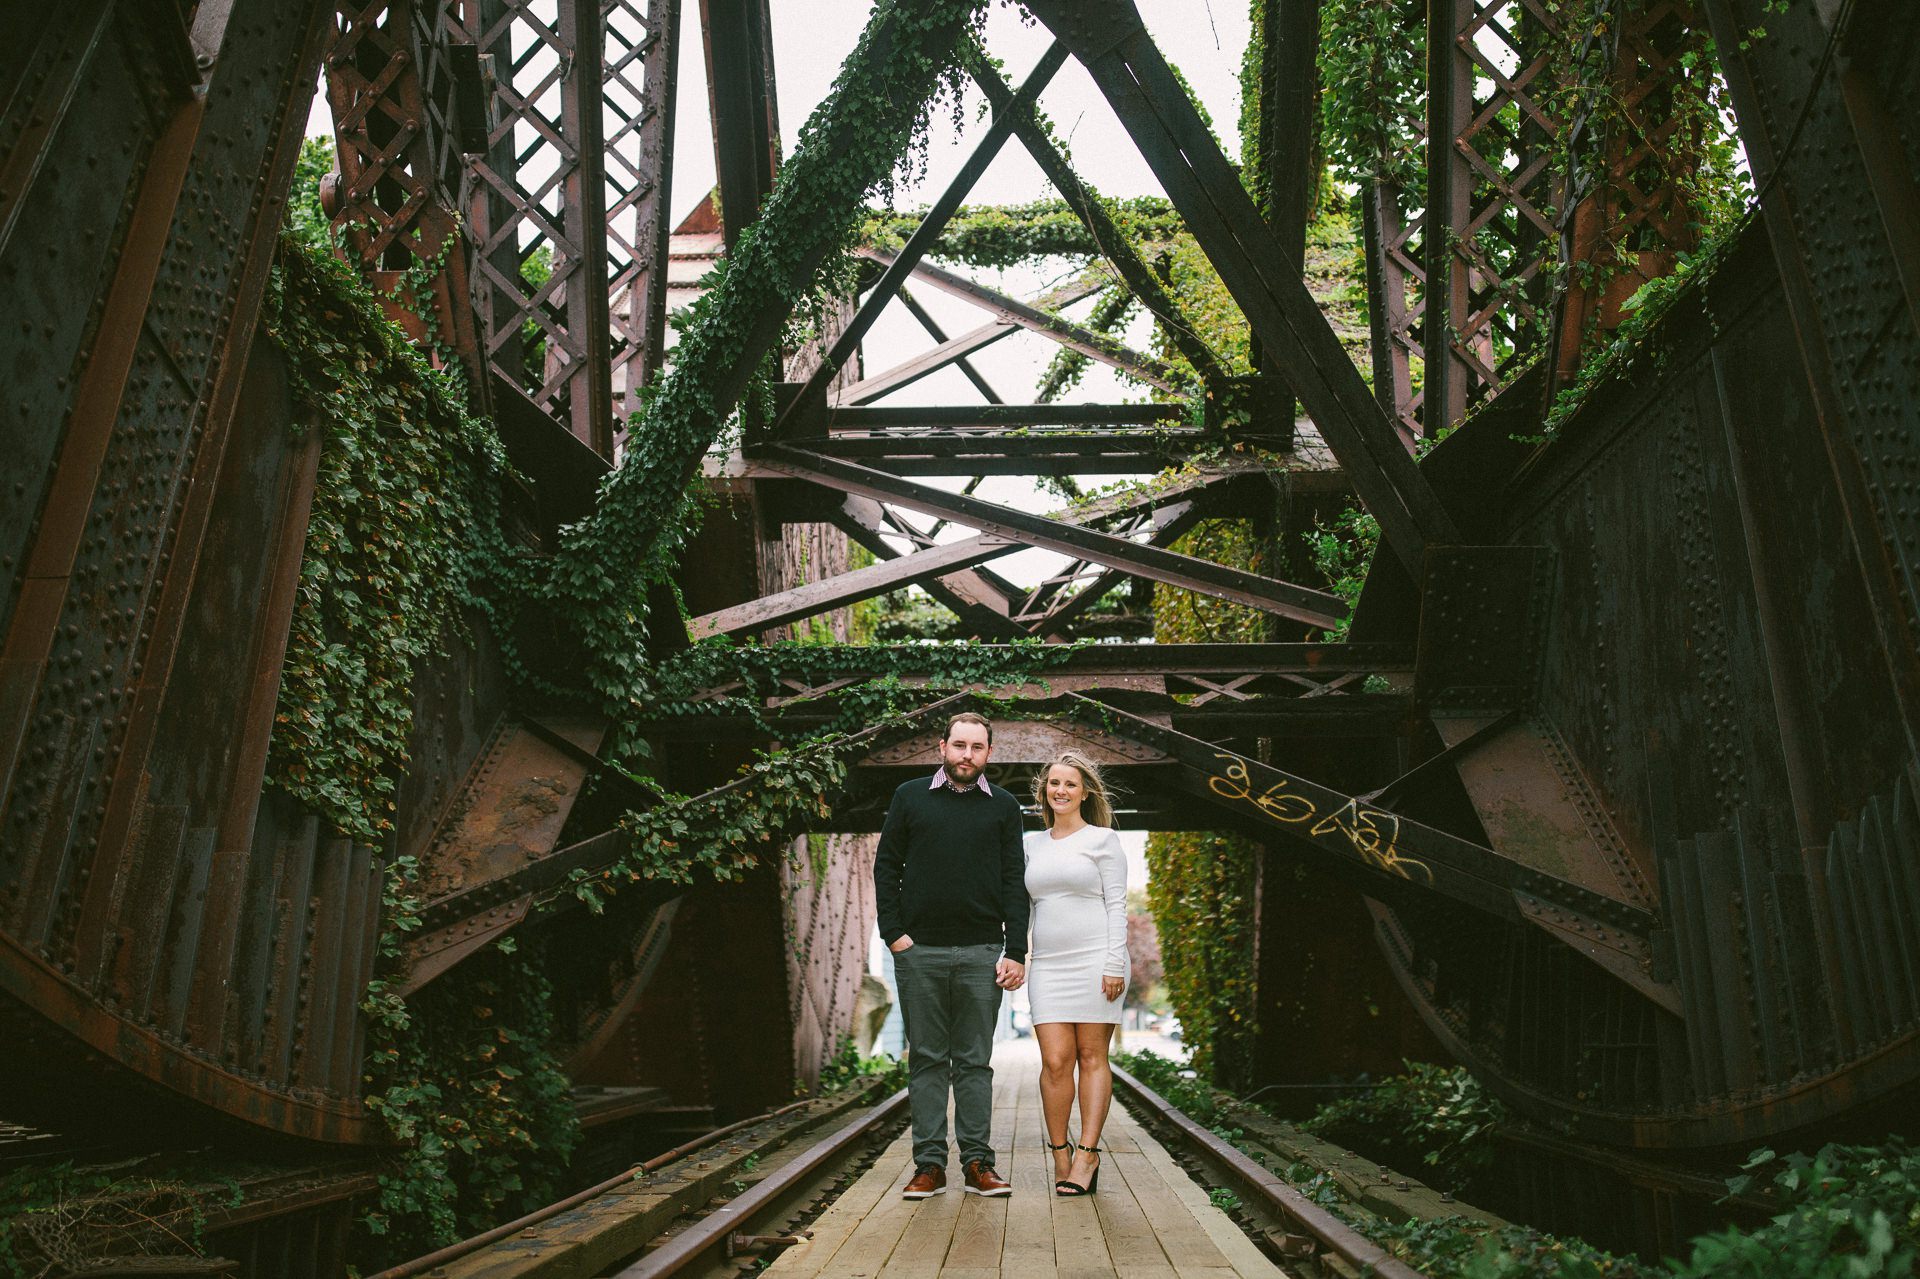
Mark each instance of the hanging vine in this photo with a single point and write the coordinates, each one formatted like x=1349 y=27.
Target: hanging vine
x=784 y=265
x=1004 y=235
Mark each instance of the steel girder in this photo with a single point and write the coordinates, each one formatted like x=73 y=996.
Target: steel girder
x=138 y=928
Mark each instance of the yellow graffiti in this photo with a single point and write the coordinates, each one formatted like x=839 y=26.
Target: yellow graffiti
x=1237 y=785
x=1372 y=833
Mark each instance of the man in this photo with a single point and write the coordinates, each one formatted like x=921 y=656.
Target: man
x=950 y=884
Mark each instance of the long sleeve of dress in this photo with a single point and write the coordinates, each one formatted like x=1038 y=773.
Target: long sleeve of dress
x=1016 y=906
x=1113 y=889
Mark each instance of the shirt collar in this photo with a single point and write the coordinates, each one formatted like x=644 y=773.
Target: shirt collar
x=940 y=779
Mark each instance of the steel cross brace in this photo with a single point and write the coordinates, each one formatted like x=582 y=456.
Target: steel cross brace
x=542 y=882
x=899 y=267
x=1109 y=37
x=939 y=335
x=1169 y=510
x=1316 y=608
x=1048 y=612
x=1011 y=310
x=1119 y=250
x=978 y=597
x=1379 y=848
x=955 y=350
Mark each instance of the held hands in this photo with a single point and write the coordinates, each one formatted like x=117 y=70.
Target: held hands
x=1111 y=987
x=1009 y=974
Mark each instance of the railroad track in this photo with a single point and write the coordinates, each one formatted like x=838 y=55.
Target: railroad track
x=724 y=1203
x=708 y=1207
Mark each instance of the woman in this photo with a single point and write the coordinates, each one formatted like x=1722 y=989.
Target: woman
x=1077 y=958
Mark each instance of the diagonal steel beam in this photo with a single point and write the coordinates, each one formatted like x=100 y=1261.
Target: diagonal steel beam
x=950 y=350
x=848 y=588
x=930 y=561
x=738 y=42
x=1170 y=526
x=1011 y=310
x=1316 y=608
x=1110 y=39
x=900 y=266
x=938 y=334
x=1119 y=250
x=978 y=598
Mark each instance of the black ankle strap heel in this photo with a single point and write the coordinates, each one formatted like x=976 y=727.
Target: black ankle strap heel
x=1073 y=1189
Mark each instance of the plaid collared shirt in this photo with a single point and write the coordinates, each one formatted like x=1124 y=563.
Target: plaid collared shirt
x=940 y=779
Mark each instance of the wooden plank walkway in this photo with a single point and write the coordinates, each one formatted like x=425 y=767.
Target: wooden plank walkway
x=1149 y=1221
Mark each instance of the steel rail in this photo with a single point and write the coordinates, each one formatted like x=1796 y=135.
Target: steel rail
x=455 y=1251
x=1335 y=1235
x=712 y=1231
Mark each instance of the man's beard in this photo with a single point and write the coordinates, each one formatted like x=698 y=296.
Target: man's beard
x=963 y=772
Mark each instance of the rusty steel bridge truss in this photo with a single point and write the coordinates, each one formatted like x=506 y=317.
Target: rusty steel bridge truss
x=1617 y=772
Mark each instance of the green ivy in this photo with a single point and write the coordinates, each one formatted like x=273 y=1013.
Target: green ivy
x=1179 y=1084
x=784 y=265
x=1343 y=552
x=465 y=1081
x=848 y=1066
x=1846 y=1212
x=1200 y=886
x=1639 y=343
x=1004 y=235
x=403 y=537
x=1435 y=1116
x=1373 y=102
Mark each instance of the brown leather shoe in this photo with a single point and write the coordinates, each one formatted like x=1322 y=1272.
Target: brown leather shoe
x=928 y=1180
x=983 y=1180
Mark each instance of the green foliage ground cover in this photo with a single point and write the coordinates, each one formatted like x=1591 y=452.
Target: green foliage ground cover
x=849 y=1066
x=1434 y=1121
x=1845 y=1212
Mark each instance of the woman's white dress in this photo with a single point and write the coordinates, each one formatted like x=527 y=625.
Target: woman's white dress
x=1078 y=931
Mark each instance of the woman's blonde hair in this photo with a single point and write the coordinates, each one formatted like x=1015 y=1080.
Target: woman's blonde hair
x=1096 y=809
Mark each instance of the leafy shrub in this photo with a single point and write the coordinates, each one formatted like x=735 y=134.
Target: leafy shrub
x=1848 y=1212
x=849 y=1066
x=1435 y=1116
x=1182 y=1091
x=1462 y=1248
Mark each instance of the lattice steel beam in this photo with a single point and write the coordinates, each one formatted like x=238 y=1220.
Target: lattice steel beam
x=1632 y=167
x=396 y=146
x=541 y=185
x=1492 y=197
x=641 y=47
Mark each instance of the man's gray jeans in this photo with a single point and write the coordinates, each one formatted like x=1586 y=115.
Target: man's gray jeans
x=951 y=1005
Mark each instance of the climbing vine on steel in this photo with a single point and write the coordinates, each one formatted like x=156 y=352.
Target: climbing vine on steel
x=907 y=60
x=1003 y=235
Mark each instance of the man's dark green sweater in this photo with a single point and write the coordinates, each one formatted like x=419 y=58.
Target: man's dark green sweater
x=950 y=870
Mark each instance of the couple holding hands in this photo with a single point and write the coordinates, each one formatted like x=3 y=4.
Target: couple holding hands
x=958 y=886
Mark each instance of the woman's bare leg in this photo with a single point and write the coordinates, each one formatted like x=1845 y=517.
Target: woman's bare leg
x=1096 y=1092
x=1057 y=1051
